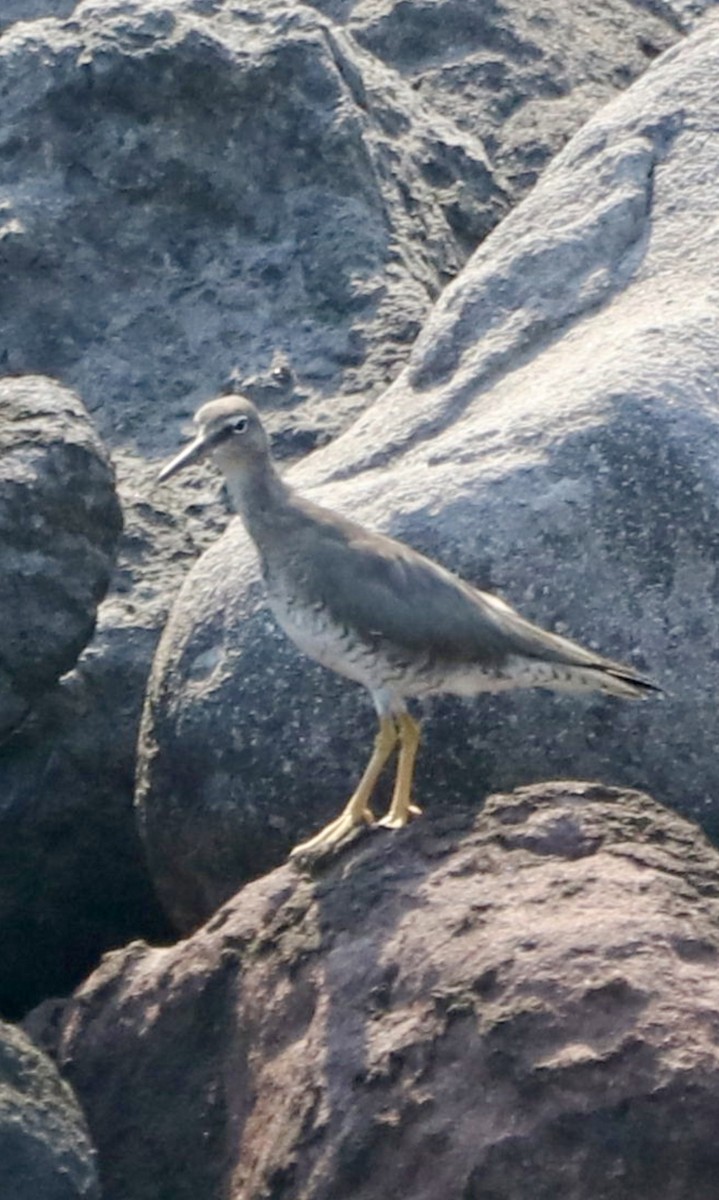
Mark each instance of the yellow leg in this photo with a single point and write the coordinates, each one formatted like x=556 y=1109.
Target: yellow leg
x=357 y=812
x=401 y=808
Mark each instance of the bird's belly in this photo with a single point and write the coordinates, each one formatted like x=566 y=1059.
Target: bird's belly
x=335 y=646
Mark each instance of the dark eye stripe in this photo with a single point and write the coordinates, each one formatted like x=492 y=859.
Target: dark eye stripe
x=221 y=435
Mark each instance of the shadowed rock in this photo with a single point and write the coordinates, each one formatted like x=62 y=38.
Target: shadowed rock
x=45 y=1151
x=472 y=1004
x=72 y=876
x=59 y=524
x=518 y=75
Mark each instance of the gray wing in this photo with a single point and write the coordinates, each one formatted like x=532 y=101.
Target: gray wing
x=390 y=593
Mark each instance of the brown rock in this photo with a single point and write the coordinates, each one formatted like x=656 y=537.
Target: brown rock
x=469 y=1009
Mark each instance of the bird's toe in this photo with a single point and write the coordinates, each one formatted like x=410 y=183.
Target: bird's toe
x=338 y=834
x=398 y=820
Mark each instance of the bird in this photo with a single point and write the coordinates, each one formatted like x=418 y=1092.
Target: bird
x=380 y=613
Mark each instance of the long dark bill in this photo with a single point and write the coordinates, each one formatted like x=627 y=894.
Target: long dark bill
x=192 y=453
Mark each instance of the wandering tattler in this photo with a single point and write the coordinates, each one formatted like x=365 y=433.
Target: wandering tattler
x=380 y=613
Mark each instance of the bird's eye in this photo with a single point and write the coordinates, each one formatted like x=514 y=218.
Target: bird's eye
x=240 y=425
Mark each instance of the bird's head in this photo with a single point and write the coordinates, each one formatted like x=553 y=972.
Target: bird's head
x=230 y=431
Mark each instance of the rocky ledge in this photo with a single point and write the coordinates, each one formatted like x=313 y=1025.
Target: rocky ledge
x=471 y=1008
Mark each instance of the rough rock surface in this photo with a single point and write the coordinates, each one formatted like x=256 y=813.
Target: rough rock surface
x=553 y=438
x=64 y=820
x=59 y=524
x=195 y=191
x=466 y=1009
x=523 y=77
x=73 y=879
x=30 y=10
x=230 y=183
x=45 y=1150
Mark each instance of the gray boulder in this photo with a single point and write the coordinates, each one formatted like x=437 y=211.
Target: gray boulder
x=45 y=1149
x=228 y=186
x=59 y=524
x=554 y=438
x=478 y=1007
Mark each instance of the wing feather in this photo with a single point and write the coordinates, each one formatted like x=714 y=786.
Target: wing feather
x=385 y=590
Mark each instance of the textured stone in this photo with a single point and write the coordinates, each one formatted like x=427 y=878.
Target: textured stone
x=45 y=1150
x=230 y=183
x=467 y=1009
x=553 y=438
x=30 y=10
x=523 y=77
x=59 y=524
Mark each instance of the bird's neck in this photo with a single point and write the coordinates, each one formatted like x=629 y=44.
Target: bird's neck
x=260 y=497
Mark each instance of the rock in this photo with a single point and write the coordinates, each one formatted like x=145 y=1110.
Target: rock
x=45 y=1149
x=451 y=1011
x=523 y=77
x=553 y=439
x=31 y=10
x=227 y=185
x=59 y=812
x=164 y=233
x=74 y=879
x=59 y=524
x=328 y=248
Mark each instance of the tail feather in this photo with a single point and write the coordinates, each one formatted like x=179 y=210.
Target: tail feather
x=565 y=665
x=622 y=681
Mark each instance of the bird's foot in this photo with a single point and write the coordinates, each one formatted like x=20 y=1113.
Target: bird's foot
x=398 y=820
x=339 y=833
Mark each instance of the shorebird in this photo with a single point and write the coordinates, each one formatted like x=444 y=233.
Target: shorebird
x=380 y=613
